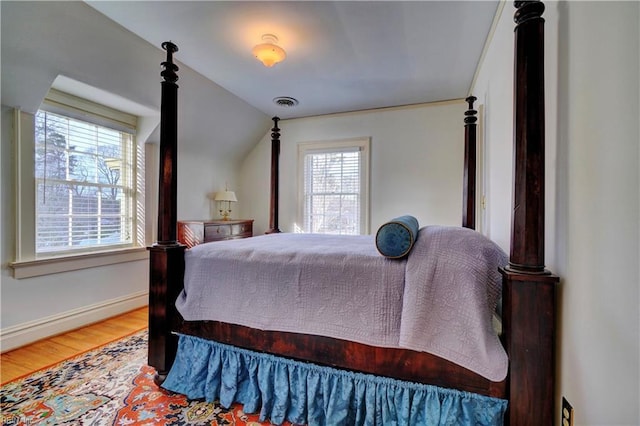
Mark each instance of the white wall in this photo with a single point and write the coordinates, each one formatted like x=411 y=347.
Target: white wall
x=41 y=40
x=416 y=163
x=593 y=216
x=494 y=90
x=598 y=143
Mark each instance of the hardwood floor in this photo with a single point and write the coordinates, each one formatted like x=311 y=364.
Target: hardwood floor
x=41 y=354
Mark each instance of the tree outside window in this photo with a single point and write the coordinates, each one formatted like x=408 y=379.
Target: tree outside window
x=83 y=184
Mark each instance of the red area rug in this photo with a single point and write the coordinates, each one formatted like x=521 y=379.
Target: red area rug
x=111 y=385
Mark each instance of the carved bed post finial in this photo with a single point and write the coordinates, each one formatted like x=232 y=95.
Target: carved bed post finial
x=469 y=181
x=170 y=69
x=275 y=176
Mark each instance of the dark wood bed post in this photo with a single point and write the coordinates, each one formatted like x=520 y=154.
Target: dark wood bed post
x=528 y=288
x=166 y=256
x=275 y=177
x=469 y=181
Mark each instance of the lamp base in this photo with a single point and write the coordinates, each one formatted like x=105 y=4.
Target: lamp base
x=225 y=214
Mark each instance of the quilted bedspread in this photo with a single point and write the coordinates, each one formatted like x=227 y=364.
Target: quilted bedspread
x=439 y=299
x=452 y=285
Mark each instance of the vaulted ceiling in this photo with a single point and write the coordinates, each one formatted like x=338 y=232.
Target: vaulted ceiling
x=341 y=55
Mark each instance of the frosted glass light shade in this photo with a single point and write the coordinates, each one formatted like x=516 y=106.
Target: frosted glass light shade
x=268 y=52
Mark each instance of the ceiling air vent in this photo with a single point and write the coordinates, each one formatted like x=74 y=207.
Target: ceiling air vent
x=285 y=101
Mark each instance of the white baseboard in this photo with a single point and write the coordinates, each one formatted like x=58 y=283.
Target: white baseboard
x=25 y=333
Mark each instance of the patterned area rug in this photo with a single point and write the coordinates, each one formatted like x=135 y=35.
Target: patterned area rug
x=111 y=385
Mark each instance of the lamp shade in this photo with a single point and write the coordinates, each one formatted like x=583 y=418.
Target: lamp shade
x=225 y=196
x=268 y=52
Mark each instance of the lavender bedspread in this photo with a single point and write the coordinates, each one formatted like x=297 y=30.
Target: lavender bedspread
x=337 y=286
x=440 y=299
x=452 y=285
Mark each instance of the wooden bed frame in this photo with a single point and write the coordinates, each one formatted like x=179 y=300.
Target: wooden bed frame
x=529 y=303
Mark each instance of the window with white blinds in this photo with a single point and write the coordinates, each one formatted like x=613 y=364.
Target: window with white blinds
x=85 y=176
x=334 y=184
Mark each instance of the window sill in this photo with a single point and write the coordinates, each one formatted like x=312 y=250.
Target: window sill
x=35 y=268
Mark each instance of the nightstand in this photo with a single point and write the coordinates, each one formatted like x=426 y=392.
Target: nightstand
x=194 y=232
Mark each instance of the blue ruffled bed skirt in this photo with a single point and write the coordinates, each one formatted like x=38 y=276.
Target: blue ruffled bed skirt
x=303 y=393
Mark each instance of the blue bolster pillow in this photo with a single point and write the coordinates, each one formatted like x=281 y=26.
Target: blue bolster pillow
x=395 y=238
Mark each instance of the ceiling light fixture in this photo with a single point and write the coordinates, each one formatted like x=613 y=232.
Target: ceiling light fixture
x=268 y=52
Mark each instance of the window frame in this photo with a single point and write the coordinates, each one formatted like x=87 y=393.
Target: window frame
x=27 y=262
x=362 y=144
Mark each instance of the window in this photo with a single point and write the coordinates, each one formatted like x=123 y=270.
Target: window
x=334 y=187
x=80 y=187
x=84 y=176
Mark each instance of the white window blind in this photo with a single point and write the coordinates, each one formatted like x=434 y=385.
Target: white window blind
x=85 y=175
x=334 y=189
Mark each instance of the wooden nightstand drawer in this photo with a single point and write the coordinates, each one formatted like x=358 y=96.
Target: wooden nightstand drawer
x=194 y=232
x=216 y=232
x=242 y=229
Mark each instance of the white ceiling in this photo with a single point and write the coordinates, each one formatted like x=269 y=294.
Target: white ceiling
x=341 y=56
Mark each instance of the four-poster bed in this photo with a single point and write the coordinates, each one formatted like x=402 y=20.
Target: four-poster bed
x=528 y=300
